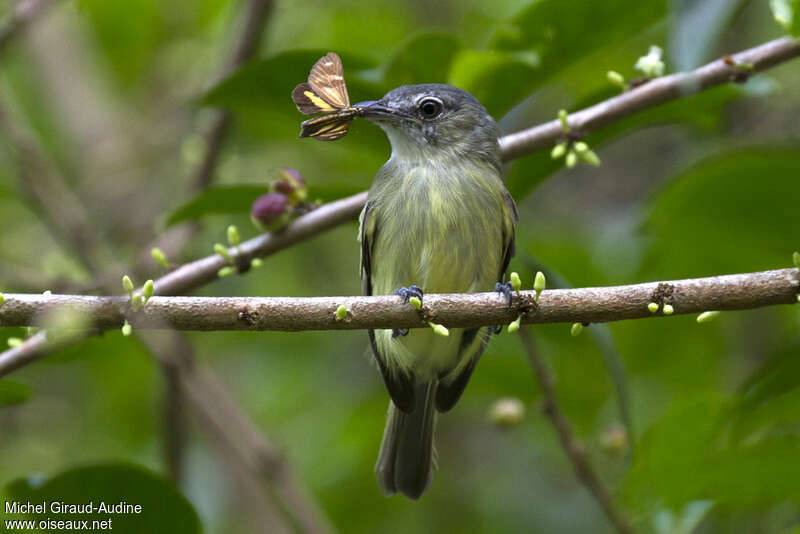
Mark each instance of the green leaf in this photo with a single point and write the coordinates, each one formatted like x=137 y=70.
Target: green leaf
x=694 y=217
x=217 y=200
x=768 y=400
x=561 y=31
x=499 y=79
x=163 y=508
x=787 y=14
x=424 y=58
x=129 y=34
x=12 y=392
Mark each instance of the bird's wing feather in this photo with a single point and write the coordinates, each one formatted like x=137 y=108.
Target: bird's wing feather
x=399 y=385
x=449 y=392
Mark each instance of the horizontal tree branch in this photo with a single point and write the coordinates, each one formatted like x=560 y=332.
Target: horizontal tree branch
x=583 y=305
x=197 y=273
x=193 y=275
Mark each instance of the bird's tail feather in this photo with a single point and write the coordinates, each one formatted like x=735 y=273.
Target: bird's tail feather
x=405 y=461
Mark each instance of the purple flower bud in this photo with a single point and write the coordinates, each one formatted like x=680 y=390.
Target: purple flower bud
x=270 y=210
x=282 y=187
x=291 y=175
x=291 y=184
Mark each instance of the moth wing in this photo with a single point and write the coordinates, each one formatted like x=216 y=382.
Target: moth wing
x=326 y=127
x=308 y=102
x=327 y=80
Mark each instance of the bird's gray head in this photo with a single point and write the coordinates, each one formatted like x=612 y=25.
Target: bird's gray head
x=435 y=120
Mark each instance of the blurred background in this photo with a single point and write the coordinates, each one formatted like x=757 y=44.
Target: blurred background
x=105 y=114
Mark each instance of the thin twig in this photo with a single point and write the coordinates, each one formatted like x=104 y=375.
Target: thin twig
x=254 y=21
x=24 y=13
x=572 y=448
x=175 y=428
x=462 y=310
x=260 y=456
x=649 y=95
x=206 y=395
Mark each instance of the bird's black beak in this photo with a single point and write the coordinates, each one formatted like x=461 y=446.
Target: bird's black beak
x=373 y=109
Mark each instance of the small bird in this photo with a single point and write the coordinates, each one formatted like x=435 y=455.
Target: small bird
x=438 y=219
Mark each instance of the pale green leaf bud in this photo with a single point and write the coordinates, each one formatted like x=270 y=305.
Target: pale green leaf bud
x=226 y=271
x=127 y=329
x=562 y=116
x=415 y=303
x=796 y=259
x=220 y=249
x=257 y=263
x=160 y=257
x=591 y=158
x=652 y=307
x=2 y=299
x=147 y=290
x=580 y=147
x=668 y=309
x=127 y=284
x=439 y=330
x=137 y=302
x=539 y=283
x=707 y=317
x=516 y=283
x=341 y=312
x=47 y=293
x=559 y=150
x=576 y=329
x=572 y=159
x=14 y=342
x=514 y=326
x=616 y=78
x=233 y=236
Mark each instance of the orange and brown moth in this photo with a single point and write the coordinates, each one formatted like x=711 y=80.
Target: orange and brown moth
x=325 y=92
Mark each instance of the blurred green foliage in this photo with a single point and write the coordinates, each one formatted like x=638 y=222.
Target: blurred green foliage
x=117 y=487
x=113 y=94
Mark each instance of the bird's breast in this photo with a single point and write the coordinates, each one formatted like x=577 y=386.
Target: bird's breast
x=439 y=227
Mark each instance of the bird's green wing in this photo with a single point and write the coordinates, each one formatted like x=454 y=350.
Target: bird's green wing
x=398 y=384
x=448 y=393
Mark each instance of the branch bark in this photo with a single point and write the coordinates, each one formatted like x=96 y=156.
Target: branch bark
x=581 y=305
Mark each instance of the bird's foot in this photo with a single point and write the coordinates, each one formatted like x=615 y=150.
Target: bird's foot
x=505 y=289
x=408 y=292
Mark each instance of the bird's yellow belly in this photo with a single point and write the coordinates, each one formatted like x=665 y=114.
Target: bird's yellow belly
x=445 y=240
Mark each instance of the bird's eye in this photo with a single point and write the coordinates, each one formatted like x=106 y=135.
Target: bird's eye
x=430 y=107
